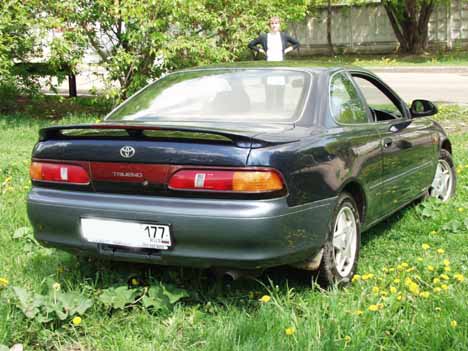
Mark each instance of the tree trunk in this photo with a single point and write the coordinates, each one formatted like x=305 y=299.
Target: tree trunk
x=329 y=28
x=410 y=23
x=72 y=85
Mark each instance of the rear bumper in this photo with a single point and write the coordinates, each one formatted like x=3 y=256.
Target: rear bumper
x=206 y=233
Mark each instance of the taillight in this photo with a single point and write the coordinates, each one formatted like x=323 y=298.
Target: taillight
x=59 y=173
x=247 y=181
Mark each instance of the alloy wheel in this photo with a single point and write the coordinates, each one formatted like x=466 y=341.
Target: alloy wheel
x=443 y=181
x=345 y=241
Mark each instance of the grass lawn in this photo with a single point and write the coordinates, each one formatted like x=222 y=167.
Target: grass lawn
x=411 y=291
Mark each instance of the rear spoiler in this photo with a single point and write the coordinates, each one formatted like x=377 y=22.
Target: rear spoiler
x=241 y=140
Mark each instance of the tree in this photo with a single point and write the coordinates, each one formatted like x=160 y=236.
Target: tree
x=18 y=41
x=410 y=22
x=329 y=27
x=139 y=40
x=328 y=4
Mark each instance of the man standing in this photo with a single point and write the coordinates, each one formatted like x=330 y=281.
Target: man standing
x=275 y=44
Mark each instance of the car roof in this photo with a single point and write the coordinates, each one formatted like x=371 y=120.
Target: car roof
x=290 y=65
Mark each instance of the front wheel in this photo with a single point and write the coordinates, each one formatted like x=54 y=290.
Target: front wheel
x=341 y=250
x=445 y=179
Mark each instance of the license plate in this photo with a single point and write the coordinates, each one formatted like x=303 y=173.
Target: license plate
x=126 y=233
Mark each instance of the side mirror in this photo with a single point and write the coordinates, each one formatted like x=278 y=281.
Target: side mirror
x=422 y=108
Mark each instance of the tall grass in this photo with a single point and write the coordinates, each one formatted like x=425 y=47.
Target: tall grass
x=230 y=316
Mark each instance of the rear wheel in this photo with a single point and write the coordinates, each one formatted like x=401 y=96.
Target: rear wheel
x=445 y=179
x=341 y=250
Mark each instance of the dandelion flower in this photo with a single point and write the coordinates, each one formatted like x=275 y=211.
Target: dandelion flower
x=444 y=286
x=4 y=282
x=461 y=209
x=438 y=309
x=414 y=288
x=434 y=232
x=347 y=339
x=56 y=286
x=436 y=281
x=419 y=259
x=437 y=290
x=440 y=251
x=399 y=297
x=459 y=277
x=444 y=276
x=425 y=294
x=393 y=290
x=265 y=298
x=453 y=324
x=375 y=289
x=396 y=281
x=425 y=246
x=289 y=331
x=76 y=320
x=367 y=276
x=446 y=262
x=373 y=308
x=405 y=264
x=356 y=278
x=358 y=312
x=430 y=268
x=135 y=282
x=447 y=269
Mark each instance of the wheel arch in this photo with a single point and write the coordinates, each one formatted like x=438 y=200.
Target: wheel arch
x=356 y=190
x=446 y=145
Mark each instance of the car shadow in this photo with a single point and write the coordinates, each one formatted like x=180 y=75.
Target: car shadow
x=379 y=229
x=203 y=285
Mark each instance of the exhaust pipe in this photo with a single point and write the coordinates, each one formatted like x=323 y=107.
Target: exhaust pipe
x=235 y=274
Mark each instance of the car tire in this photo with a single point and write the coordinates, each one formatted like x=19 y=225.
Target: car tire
x=445 y=179
x=341 y=249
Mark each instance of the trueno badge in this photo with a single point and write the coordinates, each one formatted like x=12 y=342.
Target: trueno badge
x=127 y=151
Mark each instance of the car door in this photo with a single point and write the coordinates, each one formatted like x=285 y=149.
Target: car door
x=406 y=144
x=357 y=141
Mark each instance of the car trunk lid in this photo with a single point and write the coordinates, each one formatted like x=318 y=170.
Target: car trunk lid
x=140 y=158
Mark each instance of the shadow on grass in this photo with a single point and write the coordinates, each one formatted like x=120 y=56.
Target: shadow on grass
x=203 y=285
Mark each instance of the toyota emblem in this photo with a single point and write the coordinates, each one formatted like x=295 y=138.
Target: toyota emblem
x=127 y=151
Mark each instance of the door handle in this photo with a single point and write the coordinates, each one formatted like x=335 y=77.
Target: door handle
x=387 y=142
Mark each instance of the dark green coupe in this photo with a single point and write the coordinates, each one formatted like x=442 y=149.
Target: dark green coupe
x=240 y=168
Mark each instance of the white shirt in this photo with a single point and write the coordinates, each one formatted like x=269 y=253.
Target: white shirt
x=275 y=47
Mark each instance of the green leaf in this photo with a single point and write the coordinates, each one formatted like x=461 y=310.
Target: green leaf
x=118 y=298
x=156 y=299
x=74 y=303
x=453 y=226
x=28 y=303
x=21 y=232
x=174 y=294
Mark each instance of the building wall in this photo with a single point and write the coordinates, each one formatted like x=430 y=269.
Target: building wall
x=366 y=29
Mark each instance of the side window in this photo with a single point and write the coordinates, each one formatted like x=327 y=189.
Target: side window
x=346 y=105
x=381 y=106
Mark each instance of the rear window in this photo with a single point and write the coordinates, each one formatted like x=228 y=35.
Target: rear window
x=220 y=95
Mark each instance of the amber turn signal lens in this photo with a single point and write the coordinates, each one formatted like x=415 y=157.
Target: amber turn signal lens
x=35 y=171
x=256 y=181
